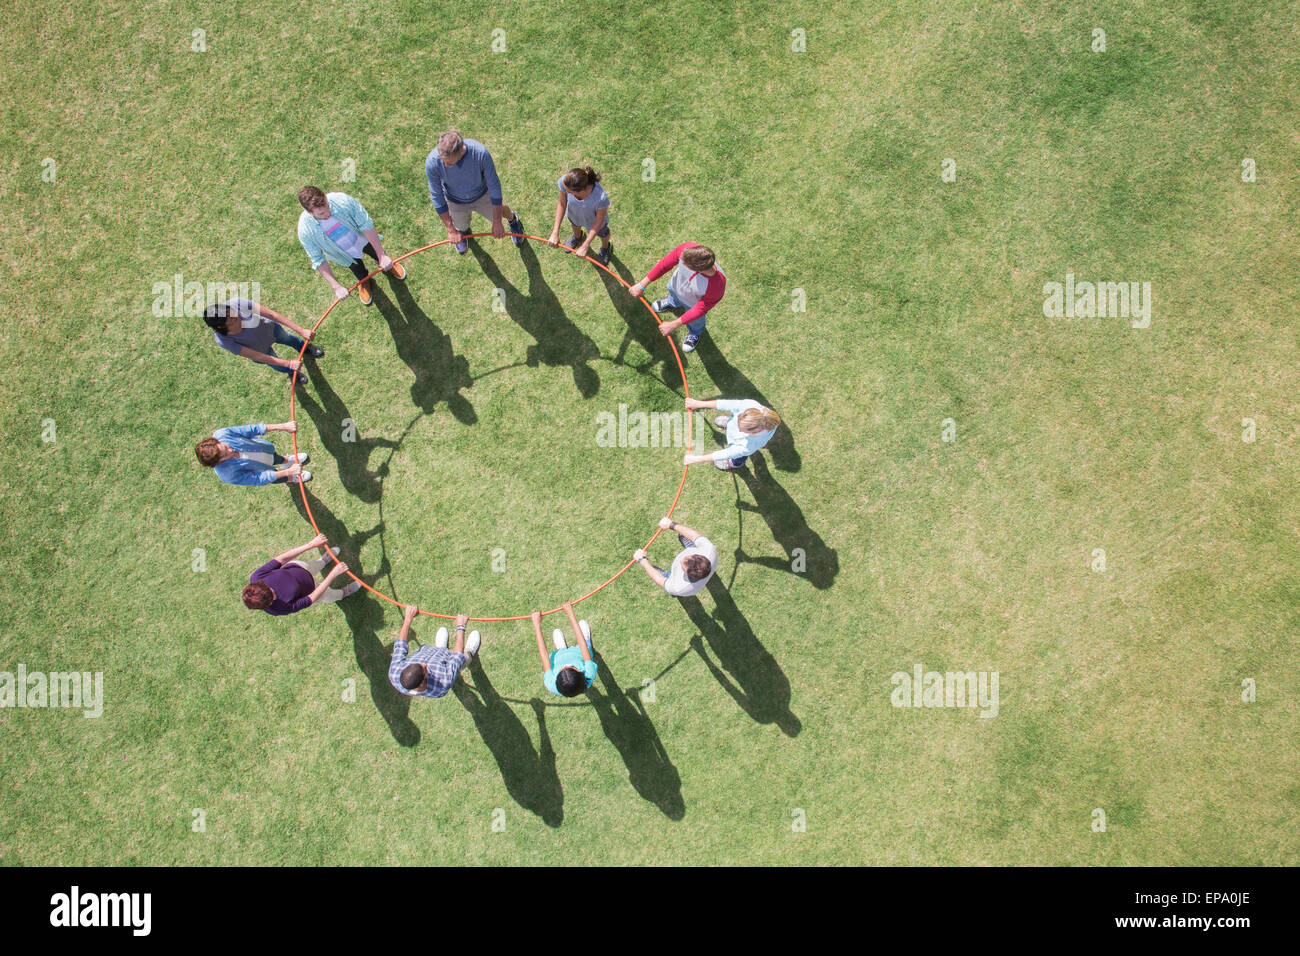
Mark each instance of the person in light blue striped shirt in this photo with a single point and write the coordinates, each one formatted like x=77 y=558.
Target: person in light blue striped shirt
x=749 y=426
x=241 y=456
x=337 y=228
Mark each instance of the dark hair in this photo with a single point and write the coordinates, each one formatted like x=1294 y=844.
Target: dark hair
x=312 y=198
x=412 y=676
x=214 y=316
x=581 y=177
x=570 y=681
x=697 y=567
x=209 y=452
x=258 y=596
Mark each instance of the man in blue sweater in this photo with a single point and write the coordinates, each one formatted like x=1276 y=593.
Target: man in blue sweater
x=241 y=456
x=462 y=181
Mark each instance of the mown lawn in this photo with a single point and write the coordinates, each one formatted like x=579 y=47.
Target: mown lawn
x=861 y=543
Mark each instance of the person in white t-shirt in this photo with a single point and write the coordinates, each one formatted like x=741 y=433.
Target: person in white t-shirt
x=690 y=570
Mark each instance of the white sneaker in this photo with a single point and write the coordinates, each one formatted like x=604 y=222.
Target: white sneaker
x=472 y=643
x=440 y=639
x=301 y=478
x=724 y=465
x=721 y=421
x=300 y=458
x=586 y=632
x=557 y=638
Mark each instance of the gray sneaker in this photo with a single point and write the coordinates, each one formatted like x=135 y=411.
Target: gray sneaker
x=690 y=343
x=662 y=305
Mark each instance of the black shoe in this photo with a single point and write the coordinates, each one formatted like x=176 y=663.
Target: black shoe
x=603 y=256
x=315 y=351
x=517 y=226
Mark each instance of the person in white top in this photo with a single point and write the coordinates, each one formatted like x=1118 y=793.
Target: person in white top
x=690 y=570
x=748 y=425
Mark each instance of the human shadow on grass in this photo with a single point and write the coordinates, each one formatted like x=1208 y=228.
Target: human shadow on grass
x=364 y=614
x=529 y=773
x=641 y=328
x=820 y=563
x=732 y=383
x=744 y=667
x=629 y=728
x=353 y=457
x=539 y=313
x=440 y=373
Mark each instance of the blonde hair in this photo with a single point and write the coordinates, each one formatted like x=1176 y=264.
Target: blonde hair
x=755 y=420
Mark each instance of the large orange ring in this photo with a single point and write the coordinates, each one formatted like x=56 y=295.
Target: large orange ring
x=302 y=489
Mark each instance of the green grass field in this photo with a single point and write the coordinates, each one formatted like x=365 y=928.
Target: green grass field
x=771 y=738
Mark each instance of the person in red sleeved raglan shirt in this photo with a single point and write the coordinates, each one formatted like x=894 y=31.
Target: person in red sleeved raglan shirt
x=696 y=285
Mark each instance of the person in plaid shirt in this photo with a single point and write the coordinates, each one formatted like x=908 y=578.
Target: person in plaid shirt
x=430 y=671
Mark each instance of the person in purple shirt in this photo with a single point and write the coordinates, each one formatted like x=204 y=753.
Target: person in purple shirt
x=463 y=181
x=285 y=585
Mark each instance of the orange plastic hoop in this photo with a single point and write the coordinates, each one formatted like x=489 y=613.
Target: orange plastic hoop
x=302 y=488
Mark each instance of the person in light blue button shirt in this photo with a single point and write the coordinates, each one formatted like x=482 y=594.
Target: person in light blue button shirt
x=566 y=671
x=241 y=456
x=749 y=426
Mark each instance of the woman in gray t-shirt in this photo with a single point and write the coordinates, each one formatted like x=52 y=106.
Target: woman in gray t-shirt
x=587 y=204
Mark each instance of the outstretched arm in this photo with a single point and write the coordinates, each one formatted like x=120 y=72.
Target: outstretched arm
x=541 y=642
x=372 y=237
x=581 y=638
x=405 y=633
x=334 y=572
x=655 y=574
x=561 y=204
x=694 y=403
x=292 y=553
x=284 y=320
x=598 y=225
x=340 y=290
x=265 y=358
x=668 y=524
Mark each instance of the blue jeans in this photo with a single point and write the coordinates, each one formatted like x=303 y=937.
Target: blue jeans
x=694 y=328
x=282 y=337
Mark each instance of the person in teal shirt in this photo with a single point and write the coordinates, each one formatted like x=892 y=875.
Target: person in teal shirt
x=566 y=671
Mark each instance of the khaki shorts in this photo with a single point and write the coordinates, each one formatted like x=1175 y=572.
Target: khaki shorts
x=460 y=212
